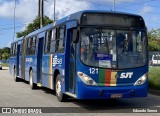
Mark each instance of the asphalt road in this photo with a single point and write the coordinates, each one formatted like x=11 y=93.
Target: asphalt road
x=19 y=94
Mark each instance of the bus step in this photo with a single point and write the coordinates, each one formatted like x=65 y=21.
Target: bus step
x=39 y=84
x=70 y=94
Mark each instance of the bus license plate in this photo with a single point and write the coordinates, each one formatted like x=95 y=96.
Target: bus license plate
x=116 y=95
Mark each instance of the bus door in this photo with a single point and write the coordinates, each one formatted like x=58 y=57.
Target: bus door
x=72 y=68
x=72 y=64
x=70 y=81
x=17 y=60
x=39 y=60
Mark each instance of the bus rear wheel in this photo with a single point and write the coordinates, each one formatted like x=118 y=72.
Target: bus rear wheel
x=31 y=83
x=58 y=89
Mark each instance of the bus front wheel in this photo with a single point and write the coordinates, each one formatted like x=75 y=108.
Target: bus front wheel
x=58 y=88
x=31 y=83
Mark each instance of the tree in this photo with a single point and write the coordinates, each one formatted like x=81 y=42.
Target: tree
x=4 y=53
x=154 y=40
x=33 y=26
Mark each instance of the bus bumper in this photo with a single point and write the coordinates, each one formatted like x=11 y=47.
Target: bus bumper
x=103 y=92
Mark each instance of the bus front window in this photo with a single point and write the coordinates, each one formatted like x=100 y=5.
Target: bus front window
x=117 y=49
x=131 y=47
x=98 y=47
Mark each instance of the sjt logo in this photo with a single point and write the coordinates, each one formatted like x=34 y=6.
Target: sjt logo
x=126 y=75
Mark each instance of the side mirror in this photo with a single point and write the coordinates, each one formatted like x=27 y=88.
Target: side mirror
x=75 y=36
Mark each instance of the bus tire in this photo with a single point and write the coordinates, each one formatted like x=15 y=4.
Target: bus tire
x=31 y=83
x=16 y=79
x=58 y=84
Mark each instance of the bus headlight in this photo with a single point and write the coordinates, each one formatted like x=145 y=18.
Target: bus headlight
x=86 y=79
x=141 y=80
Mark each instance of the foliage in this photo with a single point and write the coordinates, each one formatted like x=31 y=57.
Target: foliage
x=154 y=78
x=5 y=64
x=34 y=26
x=4 y=53
x=154 y=40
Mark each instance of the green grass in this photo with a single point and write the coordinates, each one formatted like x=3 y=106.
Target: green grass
x=154 y=78
x=5 y=64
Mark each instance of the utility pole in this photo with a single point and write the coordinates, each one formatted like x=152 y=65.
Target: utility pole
x=39 y=1
x=40 y=12
x=54 y=10
x=14 y=19
x=113 y=5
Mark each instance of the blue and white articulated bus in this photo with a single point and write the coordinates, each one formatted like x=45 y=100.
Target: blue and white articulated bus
x=86 y=55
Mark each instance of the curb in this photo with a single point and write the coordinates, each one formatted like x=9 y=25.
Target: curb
x=154 y=92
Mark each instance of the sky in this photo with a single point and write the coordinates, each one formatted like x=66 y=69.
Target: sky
x=27 y=10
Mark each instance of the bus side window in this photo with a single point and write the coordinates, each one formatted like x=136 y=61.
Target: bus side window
x=12 y=46
x=57 y=38
x=48 y=41
x=45 y=44
x=21 y=47
x=31 y=44
x=27 y=50
x=60 y=39
x=15 y=49
x=29 y=47
x=53 y=41
x=33 y=47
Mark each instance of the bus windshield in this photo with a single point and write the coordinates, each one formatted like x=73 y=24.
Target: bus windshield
x=107 y=48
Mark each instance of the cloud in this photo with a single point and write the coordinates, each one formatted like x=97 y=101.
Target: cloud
x=64 y=8
x=116 y=1
x=155 y=19
x=6 y=9
x=146 y=9
x=26 y=10
x=150 y=17
x=105 y=2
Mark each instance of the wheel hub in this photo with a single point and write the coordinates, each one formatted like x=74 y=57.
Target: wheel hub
x=58 y=88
